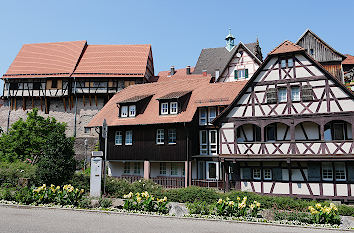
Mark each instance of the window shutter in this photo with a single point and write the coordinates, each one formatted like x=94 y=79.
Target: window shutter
x=307 y=93
x=314 y=172
x=350 y=167
x=277 y=174
x=272 y=95
x=235 y=72
x=246 y=73
x=246 y=173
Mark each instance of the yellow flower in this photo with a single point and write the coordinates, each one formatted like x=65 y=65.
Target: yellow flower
x=318 y=205
x=231 y=203
x=245 y=198
x=241 y=205
x=252 y=206
x=138 y=199
x=82 y=191
x=165 y=199
x=137 y=194
x=238 y=198
x=220 y=201
x=258 y=204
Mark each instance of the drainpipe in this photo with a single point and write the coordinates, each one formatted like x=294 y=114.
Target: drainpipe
x=187 y=148
x=8 y=100
x=75 y=107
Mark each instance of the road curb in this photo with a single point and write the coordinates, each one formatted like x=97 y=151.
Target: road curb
x=171 y=217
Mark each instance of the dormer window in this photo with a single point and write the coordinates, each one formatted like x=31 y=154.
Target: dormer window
x=128 y=111
x=124 y=111
x=174 y=107
x=164 y=108
x=132 y=110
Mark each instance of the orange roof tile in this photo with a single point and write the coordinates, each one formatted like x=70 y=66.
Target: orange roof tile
x=113 y=60
x=203 y=93
x=46 y=59
x=349 y=60
x=286 y=47
x=180 y=74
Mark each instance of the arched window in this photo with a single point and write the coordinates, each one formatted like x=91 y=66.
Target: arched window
x=337 y=130
x=248 y=133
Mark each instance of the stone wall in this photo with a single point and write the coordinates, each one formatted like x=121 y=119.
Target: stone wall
x=57 y=110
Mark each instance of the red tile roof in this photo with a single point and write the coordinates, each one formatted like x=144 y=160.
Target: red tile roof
x=349 y=60
x=113 y=60
x=204 y=93
x=286 y=47
x=46 y=59
x=180 y=74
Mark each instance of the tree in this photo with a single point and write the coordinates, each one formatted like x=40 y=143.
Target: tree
x=26 y=139
x=57 y=164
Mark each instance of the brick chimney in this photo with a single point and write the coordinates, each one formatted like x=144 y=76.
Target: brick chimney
x=172 y=70
x=204 y=73
x=188 y=70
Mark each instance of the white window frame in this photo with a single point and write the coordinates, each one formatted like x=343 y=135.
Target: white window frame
x=295 y=93
x=257 y=173
x=211 y=110
x=340 y=167
x=267 y=174
x=174 y=169
x=126 y=168
x=203 y=145
x=290 y=63
x=163 y=169
x=213 y=146
x=160 y=136
x=241 y=73
x=136 y=169
x=282 y=96
x=327 y=169
x=118 y=139
x=124 y=111
x=283 y=63
x=172 y=133
x=87 y=130
x=217 y=171
x=173 y=107
x=203 y=119
x=132 y=111
x=129 y=137
x=164 y=108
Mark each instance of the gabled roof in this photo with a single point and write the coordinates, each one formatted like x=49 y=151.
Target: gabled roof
x=213 y=59
x=286 y=47
x=349 y=60
x=46 y=59
x=322 y=41
x=268 y=58
x=113 y=60
x=174 y=95
x=203 y=93
x=134 y=99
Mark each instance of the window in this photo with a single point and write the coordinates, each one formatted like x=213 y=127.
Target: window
x=270 y=132
x=172 y=136
x=118 y=138
x=136 y=168
x=202 y=116
x=213 y=142
x=243 y=73
x=282 y=95
x=311 y=52
x=256 y=173
x=174 y=107
x=36 y=86
x=129 y=137
x=126 y=168
x=295 y=93
x=164 y=108
x=338 y=131
x=327 y=171
x=132 y=110
x=124 y=111
x=160 y=136
x=212 y=114
x=54 y=83
x=267 y=174
x=87 y=130
x=290 y=62
x=212 y=170
x=203 y=141
x=283 y=63
x=174 y=169
x=163 y=170
x=340 y=171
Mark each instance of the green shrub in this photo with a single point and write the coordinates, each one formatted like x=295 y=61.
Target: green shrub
x=346 y=210
x=200 y=207
x=325 y=214
x=66 y=195
x=84 y=203
x=145 y=201
x=147 y=185
x=105 y=202
x=192 y=194
x=80 y=181
x=24 y=196
x=7 y=194
x=117 y=187
x=293 y=216
x=10 y=173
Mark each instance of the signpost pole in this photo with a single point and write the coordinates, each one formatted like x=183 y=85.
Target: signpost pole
x=104 y=135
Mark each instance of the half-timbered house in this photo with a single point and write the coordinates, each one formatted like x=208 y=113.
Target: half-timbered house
x=230 y=63
x=71 y=81
x=162 y=131
x=327 y=56
x=290 y=130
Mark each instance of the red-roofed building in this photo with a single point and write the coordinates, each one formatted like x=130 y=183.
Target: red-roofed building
x=162 y=131
x=72 y=81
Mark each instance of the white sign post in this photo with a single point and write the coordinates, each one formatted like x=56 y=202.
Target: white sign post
x=96 y=174
x=105 y=136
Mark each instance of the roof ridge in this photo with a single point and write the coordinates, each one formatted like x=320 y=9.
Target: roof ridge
x=284 y=44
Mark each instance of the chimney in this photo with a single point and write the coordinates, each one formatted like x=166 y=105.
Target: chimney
x=217 y=74
x=204 y=72
x=188 y=70
x=172 y=70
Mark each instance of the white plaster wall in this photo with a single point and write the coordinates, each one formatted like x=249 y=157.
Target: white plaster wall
x=281 y=188
x=328 y=189
x=342 y=190
x=300 y=189
x=311 y=130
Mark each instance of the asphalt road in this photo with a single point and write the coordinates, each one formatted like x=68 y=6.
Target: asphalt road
x=37 y=220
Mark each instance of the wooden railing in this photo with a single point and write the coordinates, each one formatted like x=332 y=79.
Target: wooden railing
x=169 y=182
x=208 y=183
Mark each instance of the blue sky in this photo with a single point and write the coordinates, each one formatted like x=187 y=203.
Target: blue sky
x=177 y=30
